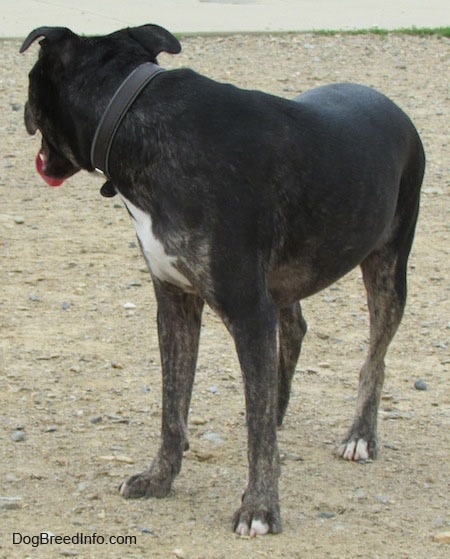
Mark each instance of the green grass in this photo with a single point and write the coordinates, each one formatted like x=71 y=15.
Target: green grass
x=417 y=31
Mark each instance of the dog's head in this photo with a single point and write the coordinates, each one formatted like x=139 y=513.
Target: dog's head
x=67 y=63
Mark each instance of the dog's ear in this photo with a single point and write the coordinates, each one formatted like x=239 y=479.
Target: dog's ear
x=64 y=42
x=155 y=39
x=52 y=34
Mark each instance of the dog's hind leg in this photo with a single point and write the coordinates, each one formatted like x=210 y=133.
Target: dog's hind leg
x=384 y=273
x=292 y=329
x=386 y=304
x=386 y=291
x=179 y=322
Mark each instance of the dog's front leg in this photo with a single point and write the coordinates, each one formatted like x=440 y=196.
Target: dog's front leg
x=255 y=339
x=179 y=321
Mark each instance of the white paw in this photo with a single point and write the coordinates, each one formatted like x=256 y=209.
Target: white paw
x=123 y=489
x=355 y=450
x=258 y=528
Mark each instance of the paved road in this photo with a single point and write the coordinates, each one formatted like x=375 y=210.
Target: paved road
x=18 y=17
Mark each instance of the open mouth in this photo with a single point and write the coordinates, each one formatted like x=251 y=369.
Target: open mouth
x=41 y=162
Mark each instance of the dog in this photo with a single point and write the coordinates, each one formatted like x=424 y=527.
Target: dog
x=242 y=200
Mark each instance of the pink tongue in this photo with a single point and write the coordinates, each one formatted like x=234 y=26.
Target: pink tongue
x=40 y=169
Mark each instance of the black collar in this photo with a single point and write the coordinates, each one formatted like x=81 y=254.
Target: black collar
x=121 y=101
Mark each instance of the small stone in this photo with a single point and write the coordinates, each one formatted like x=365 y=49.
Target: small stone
x=294 y=457
x=19 y=220
x=390 y=446
x=50 y=429
x=213 y=438
x=10 y=503
x=195 y=420
x=107 y=457
x=117 y=458
x=18 y=436
x=384 y=499
x=326 y=514
x=124 y=459
x=16 y=106
x=213 y=390
x=117 y=418
x=179 y=553
x=443 y=537
x=203 y=456
x=65 y=305
x=324 y=365
x=95 y=420
x=145 y=530
x=93 y=497
x=129 y=306
x=322 y=335
x=420 y=385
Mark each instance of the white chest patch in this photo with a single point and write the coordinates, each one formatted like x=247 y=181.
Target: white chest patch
x=161 y=264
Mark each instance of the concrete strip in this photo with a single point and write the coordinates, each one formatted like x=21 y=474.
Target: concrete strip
x=18 y=17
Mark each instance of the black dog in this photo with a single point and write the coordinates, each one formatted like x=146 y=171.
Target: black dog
x=242 y=200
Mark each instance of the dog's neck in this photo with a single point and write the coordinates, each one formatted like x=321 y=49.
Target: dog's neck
x=117 y=108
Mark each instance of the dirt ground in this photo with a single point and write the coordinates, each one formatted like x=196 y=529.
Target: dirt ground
x=79 y=362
